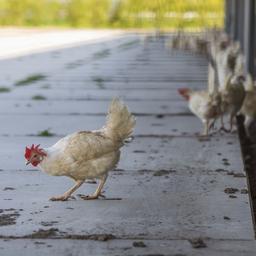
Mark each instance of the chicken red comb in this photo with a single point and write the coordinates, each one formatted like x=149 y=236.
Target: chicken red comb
x=184 y=92
x=33 y=148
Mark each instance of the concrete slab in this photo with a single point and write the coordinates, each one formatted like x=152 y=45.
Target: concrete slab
x=60 y=59
x=173 y=185
x=72 y=107
x=21 y=42
x=62 y=125
x=126 y=247
x=93 y=94
x=178 y=211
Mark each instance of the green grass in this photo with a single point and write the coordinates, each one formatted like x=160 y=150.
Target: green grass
x=128 y=45
x=30 y=79
x=4 y=89
x=101 y=54
x=39 y=97
x=99 y=82
x=45 y=133
x=113 y=14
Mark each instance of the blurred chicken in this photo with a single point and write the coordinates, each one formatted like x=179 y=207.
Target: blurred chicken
x=86 y=154
x=249 y=105
x=229 y=60
x=230 y=69
x=232 y=97
x=205 y=105
x=189 y=42
x=197 y=43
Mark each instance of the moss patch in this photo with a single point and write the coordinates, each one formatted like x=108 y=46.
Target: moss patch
x=45 y=133
x=4 y=89
x=38 y=97
x=101 y=54
x=99 y=82
x=30 y=79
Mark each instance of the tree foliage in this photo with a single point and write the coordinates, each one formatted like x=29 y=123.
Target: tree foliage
x=113 y=13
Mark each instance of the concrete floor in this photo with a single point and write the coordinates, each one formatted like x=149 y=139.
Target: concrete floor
x=170 y=181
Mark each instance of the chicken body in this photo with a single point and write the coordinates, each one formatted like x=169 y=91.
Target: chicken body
x=82 y=155
x=230 y=69
x=87 y=154
x=232 y=97
x=204 y=105
x=229 y=61
x=249 y=105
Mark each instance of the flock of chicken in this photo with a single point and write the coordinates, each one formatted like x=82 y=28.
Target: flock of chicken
x=92 y=154
x=230 y=90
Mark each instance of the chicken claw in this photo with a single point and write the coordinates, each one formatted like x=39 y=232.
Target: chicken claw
x=68 y=193
x=91 y=197
x=97 y=193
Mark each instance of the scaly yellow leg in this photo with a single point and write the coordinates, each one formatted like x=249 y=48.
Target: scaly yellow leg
x=68 y=193
x=97 y=193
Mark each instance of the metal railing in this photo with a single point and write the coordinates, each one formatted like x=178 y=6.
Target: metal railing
x=240 y=24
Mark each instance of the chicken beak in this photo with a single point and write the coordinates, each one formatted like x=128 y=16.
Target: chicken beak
x=28 y=162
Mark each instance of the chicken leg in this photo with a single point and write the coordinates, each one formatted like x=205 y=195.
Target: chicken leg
x=206 y=128
x=247 y=123
x=97 y=193
x=212 y=124
x=68 y=193
x=222 y=127
x=231 y=122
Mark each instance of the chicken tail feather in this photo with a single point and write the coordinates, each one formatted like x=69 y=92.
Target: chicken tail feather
x=120 y=122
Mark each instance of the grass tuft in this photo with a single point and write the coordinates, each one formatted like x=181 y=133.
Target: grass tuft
x=45 y=133
x=38 y=97
x=101 y=54
x=4 y=89
x=30 y=79
x=99 y=82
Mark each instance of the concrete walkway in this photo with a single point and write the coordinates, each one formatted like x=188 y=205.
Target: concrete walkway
x=173 y=185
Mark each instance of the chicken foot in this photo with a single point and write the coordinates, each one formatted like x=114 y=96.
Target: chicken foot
x=222 y=127
x=97 y=193
x=231 y=121
x=68 y=193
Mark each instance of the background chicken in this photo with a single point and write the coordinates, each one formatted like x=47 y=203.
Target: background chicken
x=249 y=105
x=232 y=97
x=230 y=68
x=228 y=58
x=204 y=105
x=86 y=154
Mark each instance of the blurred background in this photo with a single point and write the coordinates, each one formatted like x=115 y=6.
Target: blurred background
x=141 y=14
x=63 y=61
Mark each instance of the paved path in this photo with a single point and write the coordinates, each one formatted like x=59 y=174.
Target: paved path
x=170 y=181
x=19 y=42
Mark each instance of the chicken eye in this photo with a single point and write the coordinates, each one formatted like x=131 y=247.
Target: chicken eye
x=35 y=155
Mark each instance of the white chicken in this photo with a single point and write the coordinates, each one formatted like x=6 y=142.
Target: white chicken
x=230 y=69
x=205 y=105
x=249 y=105
x=86 y=154
x=232 y=97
